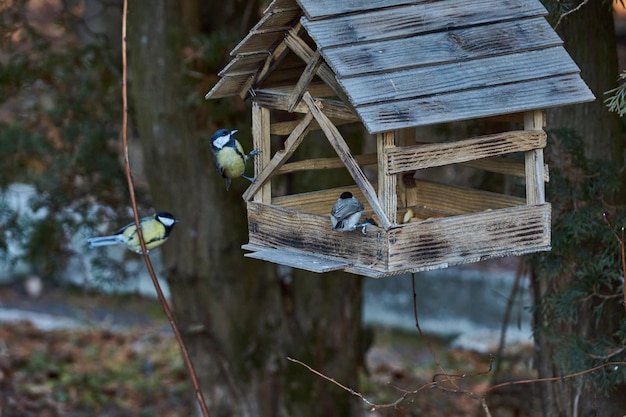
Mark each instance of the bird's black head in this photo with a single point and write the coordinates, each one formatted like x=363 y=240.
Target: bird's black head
x=221 y=138
x=345 y=195
x=166 y=219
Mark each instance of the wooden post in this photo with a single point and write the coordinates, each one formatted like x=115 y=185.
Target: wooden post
x=261 y=142
x=535 y=187
x=386 y=182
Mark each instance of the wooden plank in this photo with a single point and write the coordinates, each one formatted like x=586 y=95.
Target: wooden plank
x=261 y=141
x=453 y=200
x=318 y=202
x=385 y=142
x=228 y=86
x=471 y=238
x=344 y=153
x=304 y=51
x=280 y=101
x=477 y=73
x=280 y=157
x=411 y=158
x=281 y=4
x=442 y=47
x=416 y=19
x=299 y=259
x=316 y=9
x=304 y=81
x=279 y=19
x=506 y=166
x=243 y=64
x=535 y=188
x=255 y=43
x=277 y=227
x=326 y=163
x=508 y=98
x=285 y=128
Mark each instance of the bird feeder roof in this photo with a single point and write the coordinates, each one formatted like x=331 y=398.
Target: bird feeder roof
x=407 y=63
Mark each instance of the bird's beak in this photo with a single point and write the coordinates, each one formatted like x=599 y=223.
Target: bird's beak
x=232 y=132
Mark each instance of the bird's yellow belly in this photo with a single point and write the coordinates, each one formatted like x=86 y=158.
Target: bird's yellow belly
x=232 y=163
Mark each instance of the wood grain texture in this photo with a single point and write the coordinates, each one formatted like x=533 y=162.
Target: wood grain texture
x=439 y=48
x=229 y=86
x=326 y=163
x=299 y=259
x=416 y=19
x=323 y=8
x=304 y=81
x=454 y=200
x=411 y=158
x=387 y=182
x=279 y=158
x=535 y=187
x=454 y=240
x=463 y=105
x=278 y=227
x=458 y=76
x=261 y=142
x=346 y=156
x=276 y=5
x=318 y=202
x=280 y=101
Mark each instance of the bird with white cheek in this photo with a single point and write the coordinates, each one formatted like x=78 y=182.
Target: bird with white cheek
x=228 y=156
x=346 y=213
x=154 y=229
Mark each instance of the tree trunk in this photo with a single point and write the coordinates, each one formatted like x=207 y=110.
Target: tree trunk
x=239 y=318
x=589 y=38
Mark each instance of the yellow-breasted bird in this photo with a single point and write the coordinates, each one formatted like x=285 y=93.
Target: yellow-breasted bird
x=155 y=230
x=228 y=155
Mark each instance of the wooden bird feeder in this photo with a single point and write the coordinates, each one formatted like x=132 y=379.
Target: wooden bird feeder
x=392 y=66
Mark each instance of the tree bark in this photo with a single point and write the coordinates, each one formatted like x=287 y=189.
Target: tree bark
x=590 y=39
x=239 y=317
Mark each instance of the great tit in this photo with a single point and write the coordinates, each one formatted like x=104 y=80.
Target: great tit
x=346 y=213
x=155 y=230
x=228 y=155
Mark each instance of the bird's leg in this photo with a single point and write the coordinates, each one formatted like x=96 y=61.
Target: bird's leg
x=248 y=178
x=227 y=183
x=252 y=153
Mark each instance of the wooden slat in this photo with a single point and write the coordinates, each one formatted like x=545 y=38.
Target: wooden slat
x=415 y=19
x=285 y=128
x=228 y=86
x=326 y=163
x=442 y=47
x=318 y=202
x=411 y=158
x=506 y=166
x=281 y=19
x=477 y=73
x=439 y=243
x=243 y=64
x=280 y=101
x=385 y=142
x=316 y=9
x=304 y=81
x=277 y=227
x=299 y=259
x=280 y=157
x=453 y=200
x=261 y=141
x=344 y=153
x=535 y=188
x=255 y=43
x=465 y=105
x=281 y=5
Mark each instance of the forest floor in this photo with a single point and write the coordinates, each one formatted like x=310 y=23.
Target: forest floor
x=115 y=356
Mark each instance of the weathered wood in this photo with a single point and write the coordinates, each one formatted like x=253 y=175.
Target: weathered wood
x=229 y=86
x=411 y=158
x=444 y=47
x=464 y=105
x=255 y=43
x=280 y=101
x=277 y=227
x=454 y=200
x=279 y=158
x=535 y=188
x=324 y=8
x=279 y=19
x=326 y=163
x=444 y=78
x=298 y=259
x=344 y=153
x=277 y=5
x=304 y=81
x=285 y=128
x=385 y=142
x=506 y=166
x=439 y=243
x=261 y=142
x=304 y=51
x=415 y=19
x=318 y=202
x=243 y=64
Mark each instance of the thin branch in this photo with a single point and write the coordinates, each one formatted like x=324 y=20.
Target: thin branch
x=620 y=241
x=570 y=12
x=133 y=201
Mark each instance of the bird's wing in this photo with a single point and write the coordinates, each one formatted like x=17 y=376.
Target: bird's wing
x=345 y=208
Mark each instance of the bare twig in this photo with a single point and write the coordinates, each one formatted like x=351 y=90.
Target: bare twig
x=570 y=12
x=620 y=241
x=146 y=256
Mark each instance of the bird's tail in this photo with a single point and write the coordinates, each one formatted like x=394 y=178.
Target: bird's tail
x=95 y=242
